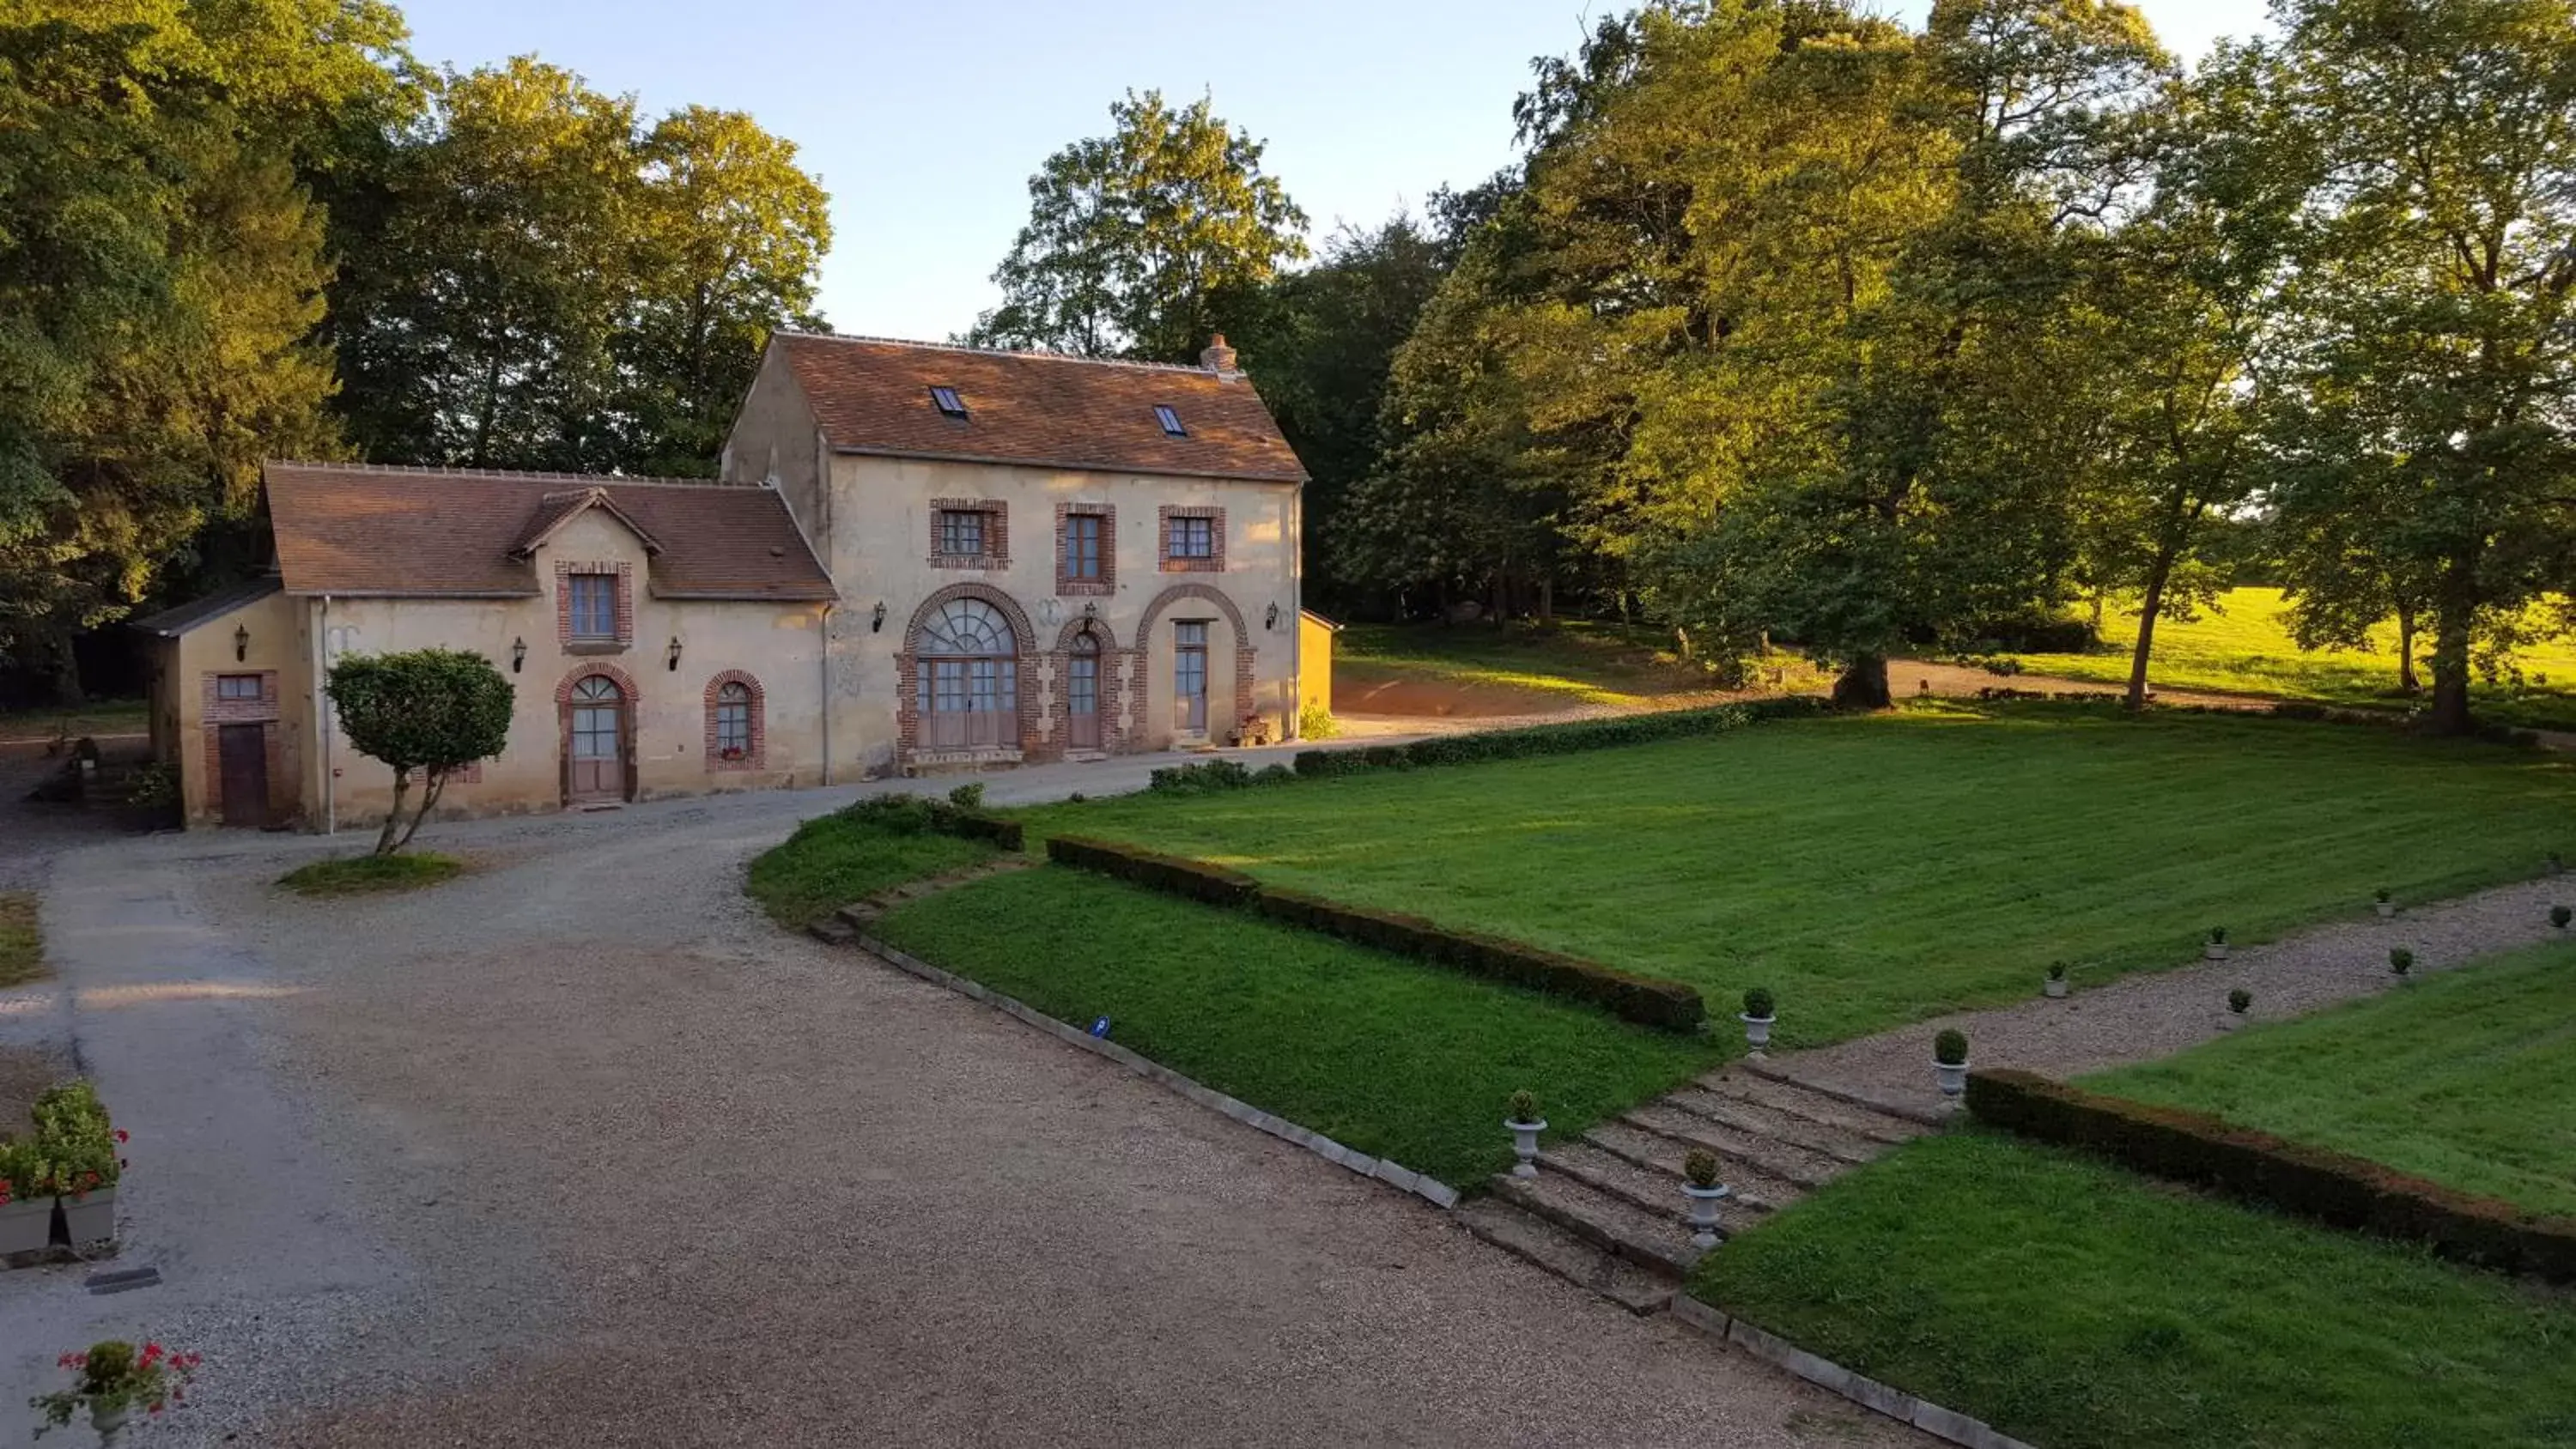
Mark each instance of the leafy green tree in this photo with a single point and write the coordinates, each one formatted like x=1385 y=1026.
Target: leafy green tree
x=431 y=710
x=2427 y=394
x=1142 y=242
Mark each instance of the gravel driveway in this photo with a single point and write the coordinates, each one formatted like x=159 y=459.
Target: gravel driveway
x=578 y=1149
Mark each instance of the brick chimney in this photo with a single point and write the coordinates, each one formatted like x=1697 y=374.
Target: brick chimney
x=1218 y=358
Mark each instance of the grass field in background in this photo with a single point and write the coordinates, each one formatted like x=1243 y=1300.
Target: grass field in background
x=2072 y=1304
x=1574 y=662
x=1395 y=1058
x=2467 y=1077
x=1880 y=869
x=22 y=942
x=2244 y=646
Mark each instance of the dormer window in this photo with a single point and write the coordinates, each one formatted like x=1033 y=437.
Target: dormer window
x=1171 y=422
x=950 y=405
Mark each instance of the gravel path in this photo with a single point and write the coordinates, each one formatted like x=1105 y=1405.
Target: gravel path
x=2141 y=1017
x=578 y=1150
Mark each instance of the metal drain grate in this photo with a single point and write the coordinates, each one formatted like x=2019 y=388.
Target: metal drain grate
x=124 y=1280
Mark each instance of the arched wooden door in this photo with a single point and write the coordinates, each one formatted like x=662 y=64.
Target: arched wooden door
x=1082 y=693
x=970 y=678
x=595 y=741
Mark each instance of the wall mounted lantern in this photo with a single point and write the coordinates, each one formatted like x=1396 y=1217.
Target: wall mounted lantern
x=1271 y=620
x=674 y=655
x=241 y=642
x=876 y=618
x=518 y=654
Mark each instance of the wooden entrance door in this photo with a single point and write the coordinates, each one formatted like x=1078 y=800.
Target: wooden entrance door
x=243 y=749
x=1189 y=678
x=1082 y=695
x=598 y=740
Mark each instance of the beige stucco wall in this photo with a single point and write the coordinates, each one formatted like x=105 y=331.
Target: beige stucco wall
x=183 y=730
x=879 y=550
x=775 y=441
x=778 y=644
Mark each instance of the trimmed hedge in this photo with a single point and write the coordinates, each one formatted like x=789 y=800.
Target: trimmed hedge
x=1558 y=739
x=1670 y=1005
x=1176 y=875
x=966 y=824
x=2331 y=1187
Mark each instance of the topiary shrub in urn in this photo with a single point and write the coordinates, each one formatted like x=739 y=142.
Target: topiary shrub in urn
x=2239 y=1002
x=1758 y=1015
x=1704 y=1192
x=1950 y=1061
x=2215 y=948
x=1525 y=1124
x=2055 y=985
x=2383 y=902
x=2401 y=963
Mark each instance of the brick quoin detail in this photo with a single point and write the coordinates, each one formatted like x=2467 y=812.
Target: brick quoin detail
x=214 y=713
x=907 y=665
x=1066 y=585
x=1214 y=563
x=997 y=534
x=756 y=755
x=625 y=576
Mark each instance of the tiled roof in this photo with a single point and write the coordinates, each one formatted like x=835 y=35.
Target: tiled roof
x=1037 y=408
x=354 y=529
x=171 y=623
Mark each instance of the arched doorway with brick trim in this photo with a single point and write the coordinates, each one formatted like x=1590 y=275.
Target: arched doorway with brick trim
x=959 y=694
x=595 y=709
x=1189 y=635
x=1088 y=691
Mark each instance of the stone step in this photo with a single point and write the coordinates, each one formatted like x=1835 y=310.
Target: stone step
x=1789 y=1097
x=1645 y=1188
x=1755 y=1190
x=1728 y=1110
x=1784 y=1160
x=833 y=932
x=1926 y=1110
x=1577 y=1261
x=1655 y=1241
x=860 y=916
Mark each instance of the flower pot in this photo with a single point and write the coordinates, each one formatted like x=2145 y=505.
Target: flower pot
x=2053 y=988
x=1757 y=1029
x=1953 y=1077
x=26 y=1226
x=2214 y=951
x=2230 y=1020
x=110 y=1423
x=1525 y=1145
x=2386 y=909
x=1703 y=1212
x=91 y=1216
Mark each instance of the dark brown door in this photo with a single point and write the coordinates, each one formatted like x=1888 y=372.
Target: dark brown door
x=244 y=749
x=598 y=742
x=1082 y=695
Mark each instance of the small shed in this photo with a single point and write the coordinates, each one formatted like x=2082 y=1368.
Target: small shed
x=1315 y=661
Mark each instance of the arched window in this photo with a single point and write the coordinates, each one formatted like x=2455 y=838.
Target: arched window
x=969 y=677
x=1082 y=692
x=733 y=722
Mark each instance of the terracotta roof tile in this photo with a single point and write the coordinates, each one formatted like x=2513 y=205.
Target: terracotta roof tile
x=1037 y=408
x=355 y=529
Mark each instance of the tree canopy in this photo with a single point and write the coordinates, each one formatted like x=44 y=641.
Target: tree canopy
x=430 y=710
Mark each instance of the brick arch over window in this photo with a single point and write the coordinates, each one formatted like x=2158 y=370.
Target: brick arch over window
x=756 y=755
x=634 y=701
x=909 y=728
x=1245 y=691
x=1072 y=630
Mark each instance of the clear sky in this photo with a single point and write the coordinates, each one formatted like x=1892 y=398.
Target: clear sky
x=924 y=120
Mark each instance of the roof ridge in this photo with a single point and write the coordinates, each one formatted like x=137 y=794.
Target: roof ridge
x=532 y=475
x=1032 y=353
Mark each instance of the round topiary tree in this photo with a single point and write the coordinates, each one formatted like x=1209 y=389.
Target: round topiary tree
x=430 y=710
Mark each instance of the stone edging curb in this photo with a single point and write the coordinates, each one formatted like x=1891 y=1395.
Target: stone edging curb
x=1825 y=1374
x=1404 y=1179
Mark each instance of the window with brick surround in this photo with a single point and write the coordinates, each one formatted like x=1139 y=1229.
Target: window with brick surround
x=961 y=531
x=1192 y=540
x=969 y=533
x=1082 y=546
x=591 y=605
x=733 y=722
x=238 y=687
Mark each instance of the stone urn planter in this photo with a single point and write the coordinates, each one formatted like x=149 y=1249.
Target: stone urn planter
x=26 y=1226
x=2239 y=1001
x=2215 y=948
x=1525 y=1145
x=110 y=1423
x=1703 y=1212
x=91 y=1216
x=2384 y=904
x=1950 y=1062
x=2054 y=988
x=1758 y=1015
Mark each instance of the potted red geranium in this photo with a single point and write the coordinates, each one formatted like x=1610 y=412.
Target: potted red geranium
x=114 y=1381
x=26 y=1216
x=72 y=1156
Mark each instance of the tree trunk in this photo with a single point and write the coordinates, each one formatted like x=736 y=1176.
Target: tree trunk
x=1546 y=600
x=385 y=842
x=2152 y=603
x=433 y=786
x=2406 y=681
x=1863 y=683
x=2450 y=712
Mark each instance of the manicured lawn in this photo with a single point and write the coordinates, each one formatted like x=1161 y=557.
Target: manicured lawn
x=1877 y=870
x=2248 y=649
x=2073 y=1305
x=1575 y=662
x=1397 y=1059
x=836 y=859
x=98 y=717
x=2466 y=1077
x=22 y=944
x=356 y=875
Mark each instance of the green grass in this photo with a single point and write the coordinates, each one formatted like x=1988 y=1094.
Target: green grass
x=1394 y=1058
x=355 y=875
x=2076 y=1306
x=836 y=859
x=22 y=942
x=2464 y=1077
x=98 y=717
x=1575 y=661
x=2245 y=647
x=1877 y=870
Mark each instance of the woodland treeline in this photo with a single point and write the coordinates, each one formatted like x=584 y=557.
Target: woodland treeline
x=1790 y=325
